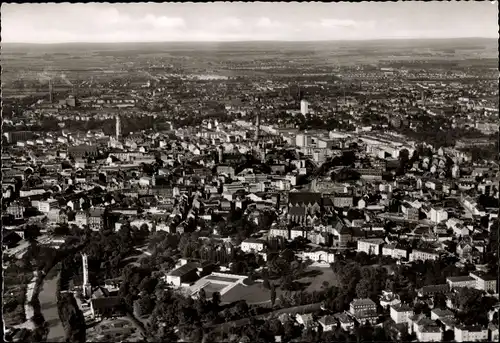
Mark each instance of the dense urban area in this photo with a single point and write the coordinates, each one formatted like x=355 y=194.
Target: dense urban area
x=244 y=192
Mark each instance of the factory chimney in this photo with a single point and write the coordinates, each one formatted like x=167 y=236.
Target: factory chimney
x=50 y=91
x=257 y=127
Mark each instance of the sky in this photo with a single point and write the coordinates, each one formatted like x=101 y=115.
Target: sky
x=233 y=21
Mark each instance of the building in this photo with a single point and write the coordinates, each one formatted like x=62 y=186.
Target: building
x=346 y=322
x=440 y=314
x=371 y=246
x=96 y=219
x=47 y=206
x=16 y=210
x=395 y=252
x=81 y=218
x=252 y=244
x=320 y=256
x=107 y=307
x=485 y=282
x=401 y=313
x=470 y=333
x=364 y=310
x=493 y=332
x=328 y=323
x=305 y=319
x=431 y=290
x=429 y=333
x=304 y=107
x=421 y=255
x=412 y=214
x=280 y=232
x=389 y=299
x=342 y=201
x=461 y=281
x=187 y=272
x=437 y=215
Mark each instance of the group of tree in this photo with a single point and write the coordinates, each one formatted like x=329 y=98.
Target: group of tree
x=72 y=318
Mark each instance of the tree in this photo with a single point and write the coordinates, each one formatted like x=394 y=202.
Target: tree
x=286 y=282
x=363 y=288
x=273 y=295
x=216 y=300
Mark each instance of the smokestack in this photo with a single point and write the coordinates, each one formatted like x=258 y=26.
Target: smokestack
x=257 y=127
x=50 y=91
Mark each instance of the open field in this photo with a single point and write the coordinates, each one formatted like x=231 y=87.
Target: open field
x=71 y=63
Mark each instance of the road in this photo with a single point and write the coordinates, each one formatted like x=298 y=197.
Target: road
x=48 y=303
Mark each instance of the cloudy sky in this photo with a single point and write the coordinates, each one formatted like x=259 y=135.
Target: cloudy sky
x=57 y=23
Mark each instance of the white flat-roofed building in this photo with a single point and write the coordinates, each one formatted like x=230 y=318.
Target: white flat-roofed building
x=394 y=252
x=470 y=333
x=401 y=313
x=421 y=255
x=461 y=281
x=485 y=282
x=251 y=244
x=370 y=246
x=320 y=256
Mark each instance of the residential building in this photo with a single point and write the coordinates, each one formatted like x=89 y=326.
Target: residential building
x=346 y=322
x=252 y=244
x=187 y=272
x=485 y=282
x=401 y=313
x=421 y=255
x=363 y=310
x=440 y=314
x=371 y=246
x=461 y=281
x=328 y=323
x=395 y=252
x=470 y=333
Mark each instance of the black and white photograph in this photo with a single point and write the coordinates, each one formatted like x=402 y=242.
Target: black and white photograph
x=250 y=172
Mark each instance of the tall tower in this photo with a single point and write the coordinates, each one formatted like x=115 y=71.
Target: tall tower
x=118 y=128
x=86 y=284
x=257 y=127
x=304 y=107
x=50 y=91
x=220 y=152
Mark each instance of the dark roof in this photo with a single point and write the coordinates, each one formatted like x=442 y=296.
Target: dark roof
x=183 y=270
x=460 y=278
x=304 y=198
x=435 y=288
x=363 y=302
x=297 y=211
x=328 y=320
x=106 y=303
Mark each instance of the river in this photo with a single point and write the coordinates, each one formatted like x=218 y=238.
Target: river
x=48 y=303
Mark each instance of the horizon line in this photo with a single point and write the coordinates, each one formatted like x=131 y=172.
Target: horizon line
x=258 y=41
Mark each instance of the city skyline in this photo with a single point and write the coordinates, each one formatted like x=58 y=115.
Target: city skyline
x=226 y=22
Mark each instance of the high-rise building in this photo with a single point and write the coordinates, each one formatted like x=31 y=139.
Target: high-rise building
x=304 y=107
x=118 y=128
